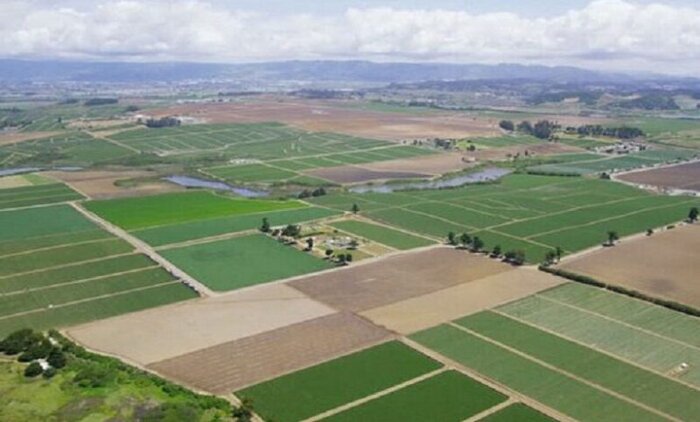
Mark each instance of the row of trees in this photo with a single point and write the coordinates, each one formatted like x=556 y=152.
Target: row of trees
x=477 y=245
x=163 y=122
x=30 y=347
x=311 y=194
x=543 y=129
x=621 y=132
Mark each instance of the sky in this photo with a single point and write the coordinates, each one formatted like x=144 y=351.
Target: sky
x=661 y=36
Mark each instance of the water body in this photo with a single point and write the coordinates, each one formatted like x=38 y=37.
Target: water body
x=22 y=170
x=193 y=182
x=487 y=175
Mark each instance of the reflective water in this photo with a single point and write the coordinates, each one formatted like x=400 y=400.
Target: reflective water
x=487 y=175
x=193 y=182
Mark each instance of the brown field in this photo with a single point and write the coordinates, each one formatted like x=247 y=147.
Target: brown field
x=436 y=164
x=392 y=279
x=422 y=312
x=230 y=366
x=9 y=182
x=545 y=148
x=100 y=184
x=329 y=116
x=169 y=331
x=683 y=176
x=357 y=174
x=665 y=265
x=16 y=137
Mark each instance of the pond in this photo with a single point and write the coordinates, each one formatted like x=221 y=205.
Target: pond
x=12 y=172
x=487 y=175
x=193 y=182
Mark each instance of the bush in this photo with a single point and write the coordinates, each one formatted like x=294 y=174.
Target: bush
x=19 y=341
x=93 y=376
x=49 y=373
x=56 y=358
x=171 y=412
x=33 y=370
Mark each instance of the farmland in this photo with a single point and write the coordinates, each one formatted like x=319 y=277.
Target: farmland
x=242 y=261
x=59 y=269
x=26 y=196
x=383 y=235
x=681 y=177
x=531 y=213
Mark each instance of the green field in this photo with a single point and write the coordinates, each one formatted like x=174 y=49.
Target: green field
x=36 y=195
x=531 y=213
x=642 y=386
x=242 y=261
x=558 y=391
x=517 y=413
x=446 y=397
x=177 y=233
x=645 y=334
x=174 y=208
x=57 y=269
x=323 y=387
x=384 y=235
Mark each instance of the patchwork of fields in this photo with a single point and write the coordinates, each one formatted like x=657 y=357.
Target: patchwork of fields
x=59 y=269
x=42 y=194
x=534 y=214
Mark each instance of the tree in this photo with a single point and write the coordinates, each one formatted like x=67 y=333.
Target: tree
x=291 y=230
x=497 y=251
x=515 y=257
x=465 y=240
x=265 y=227
x=244 y=412
x=57 y=358
x=477 y=244
x=33 y=370
x=329 y=253
x=310 y=244
x=507 y=125
x=355 y=208
x=348 y=258
x=693 y=214
x=354 y=244
x=550 y=257
x=650 y=232
x=19 y=341
x=452 y=238
x=612 y=237
x=559 y=252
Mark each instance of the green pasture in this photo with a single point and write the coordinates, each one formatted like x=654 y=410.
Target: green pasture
x=551 y=388
x=384 y=235
x=177 y=233
x=27 y=196
x=517 y=412
x=643 y=386
x=174 y=208
x=448 y=396
x=21 y=227
x=242 y=261
x=323 y=387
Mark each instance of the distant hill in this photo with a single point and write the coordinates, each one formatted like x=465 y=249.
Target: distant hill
x=303 y=71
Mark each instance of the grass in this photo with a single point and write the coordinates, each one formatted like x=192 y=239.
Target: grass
x=384 y=235
x=517 y=412
x=242 y=261
x=323 y=387
x=149 y=211
x=36 y=195
x=646 y=349
x=23 y=226
x=449 y=396
x=551 y=388
x=641 y=385
x=166 y=235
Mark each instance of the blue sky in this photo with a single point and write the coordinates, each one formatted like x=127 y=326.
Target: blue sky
x=622 y=35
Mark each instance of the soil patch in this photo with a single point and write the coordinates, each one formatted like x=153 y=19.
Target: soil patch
x=422 y=312
x=684 y=177
x=17 y=137
x=102 y=184
x=665 y=264
x=10 y=182
x=238 y=364
x=436 y=164
x=169 y=331
x=389 y=280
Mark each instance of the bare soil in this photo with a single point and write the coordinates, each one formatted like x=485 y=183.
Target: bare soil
x=17 y=137
x=683 y=176
x=542 y=149
x=329 y=116
x=665 y=265
x=101 y=184
x=169 y=331
x=429 y=164
x=392 y=279
x=9 y=182
x=234 y=365
x=422 y=312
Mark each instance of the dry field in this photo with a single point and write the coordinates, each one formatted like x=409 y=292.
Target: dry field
x=665 y=265
x=684 y=177
x=357 y=174
x=326 y=116
x=422 y=312
x=100 y=184
x=162 y=333
x=436 y=164
x=9 y=182
x=545 y=148
x=17 y=137
x=231 y=366
x=369 y=285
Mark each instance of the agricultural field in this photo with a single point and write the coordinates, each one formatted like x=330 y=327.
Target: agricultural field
x=242 y=261
x=680 y=177
x=41 y=194
x=551 y=365
x=177 y=208
x=59 y=269
x=662 y=265
x=531 y=213
x=384 y=235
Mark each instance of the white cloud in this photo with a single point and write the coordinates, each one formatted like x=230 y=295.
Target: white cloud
x=606 y=34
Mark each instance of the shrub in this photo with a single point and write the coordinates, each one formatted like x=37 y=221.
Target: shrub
x=19 y=341
x=56 y=358
x=32 y=370
x=49 y=373
x=93 y=376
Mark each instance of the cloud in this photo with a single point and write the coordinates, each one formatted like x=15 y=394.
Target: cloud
x=604 y=34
